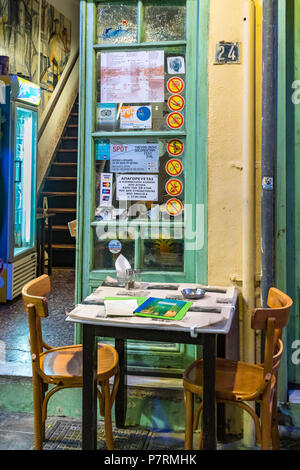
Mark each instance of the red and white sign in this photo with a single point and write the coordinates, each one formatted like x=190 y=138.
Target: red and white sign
x=175 y=147
x=175 y=85
x=174 y=207
x=174 y=167
x=176 y=102
x=175 y=120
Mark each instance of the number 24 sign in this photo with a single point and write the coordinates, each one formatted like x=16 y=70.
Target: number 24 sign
x=228 y=53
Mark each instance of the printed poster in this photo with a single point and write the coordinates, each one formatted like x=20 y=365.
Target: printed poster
x=132 y=77
x=136 y=117
x=137 y=187
x=134 y=158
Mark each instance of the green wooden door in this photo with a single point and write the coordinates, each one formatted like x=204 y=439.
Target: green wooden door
x=142 y=164
x=287 y=185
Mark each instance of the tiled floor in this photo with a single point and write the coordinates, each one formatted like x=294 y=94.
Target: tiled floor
x=14 y=345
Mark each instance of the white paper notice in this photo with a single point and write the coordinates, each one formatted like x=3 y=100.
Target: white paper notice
x=132 y=77
x=134 y=158
x=137 y=187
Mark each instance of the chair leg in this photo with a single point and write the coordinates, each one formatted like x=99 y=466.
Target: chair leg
x=266 y=421
x=274 y=430
x=107 y=416
x=37 y=385
x=189 y=420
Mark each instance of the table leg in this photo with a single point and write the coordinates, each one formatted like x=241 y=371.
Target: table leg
x=89 y=389
x=121 y=398
x=221 y=416
x=209 y=394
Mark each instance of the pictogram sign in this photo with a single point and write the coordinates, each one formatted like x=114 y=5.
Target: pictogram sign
x=1 y=266
x=174 y=207
x=175 y=85
x=174 y=187
x=175 y=147
x=174 y=167
x=175 y=120
x=176 y=102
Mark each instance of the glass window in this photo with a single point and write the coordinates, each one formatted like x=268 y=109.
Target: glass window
x=106 y=250
x=164 y=254
x=117 y=22
x=24 y=181
x=164 y=21
x=141 y=90
x=139 y=178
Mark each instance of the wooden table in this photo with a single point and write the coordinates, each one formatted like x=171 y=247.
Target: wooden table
x=205 y=336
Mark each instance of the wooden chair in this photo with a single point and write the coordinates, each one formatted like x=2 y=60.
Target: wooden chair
x=62 y=367
x=240 y=382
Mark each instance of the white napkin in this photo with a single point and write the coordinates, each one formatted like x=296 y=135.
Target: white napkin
x=122 y=264
x=120 y=308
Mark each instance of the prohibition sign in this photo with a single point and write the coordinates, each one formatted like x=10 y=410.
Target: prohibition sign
x=174 y=187
x=175 y=85
x=174 y=167
x=174 y=206
x=175 y=120
x=175 y=147
x=176 y=102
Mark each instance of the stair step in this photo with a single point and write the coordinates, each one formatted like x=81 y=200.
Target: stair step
x=72 y=125
x=67 y=150
x=62 y=178
x=58 y=227
x=67 y=137
x=64 y=164
x=62 y=246
x=60 y=210
x=60 y=194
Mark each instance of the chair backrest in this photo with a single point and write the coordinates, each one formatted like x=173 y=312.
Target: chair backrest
x=36 y=306
x=34 y=293
x=272 y=320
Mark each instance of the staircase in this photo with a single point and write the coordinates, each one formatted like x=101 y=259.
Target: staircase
x=60 y=189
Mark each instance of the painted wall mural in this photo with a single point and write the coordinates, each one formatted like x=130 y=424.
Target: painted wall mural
x=37 y=39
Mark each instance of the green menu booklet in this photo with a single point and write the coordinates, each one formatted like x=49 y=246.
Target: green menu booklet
x=167 y=309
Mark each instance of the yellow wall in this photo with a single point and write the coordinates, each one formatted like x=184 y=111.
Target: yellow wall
x=225 y=138
x=225 y=162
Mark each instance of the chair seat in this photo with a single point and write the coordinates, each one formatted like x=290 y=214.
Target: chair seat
x=233 y=379
x=66 y=362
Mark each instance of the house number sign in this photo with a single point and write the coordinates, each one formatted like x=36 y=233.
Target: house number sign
x=228 y=53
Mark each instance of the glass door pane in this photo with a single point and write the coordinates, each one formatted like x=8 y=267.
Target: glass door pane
x=25 y=161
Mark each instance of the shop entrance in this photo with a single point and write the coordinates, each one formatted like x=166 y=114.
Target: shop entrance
x=143 y=121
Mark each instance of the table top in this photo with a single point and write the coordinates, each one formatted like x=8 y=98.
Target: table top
x=211 y=314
